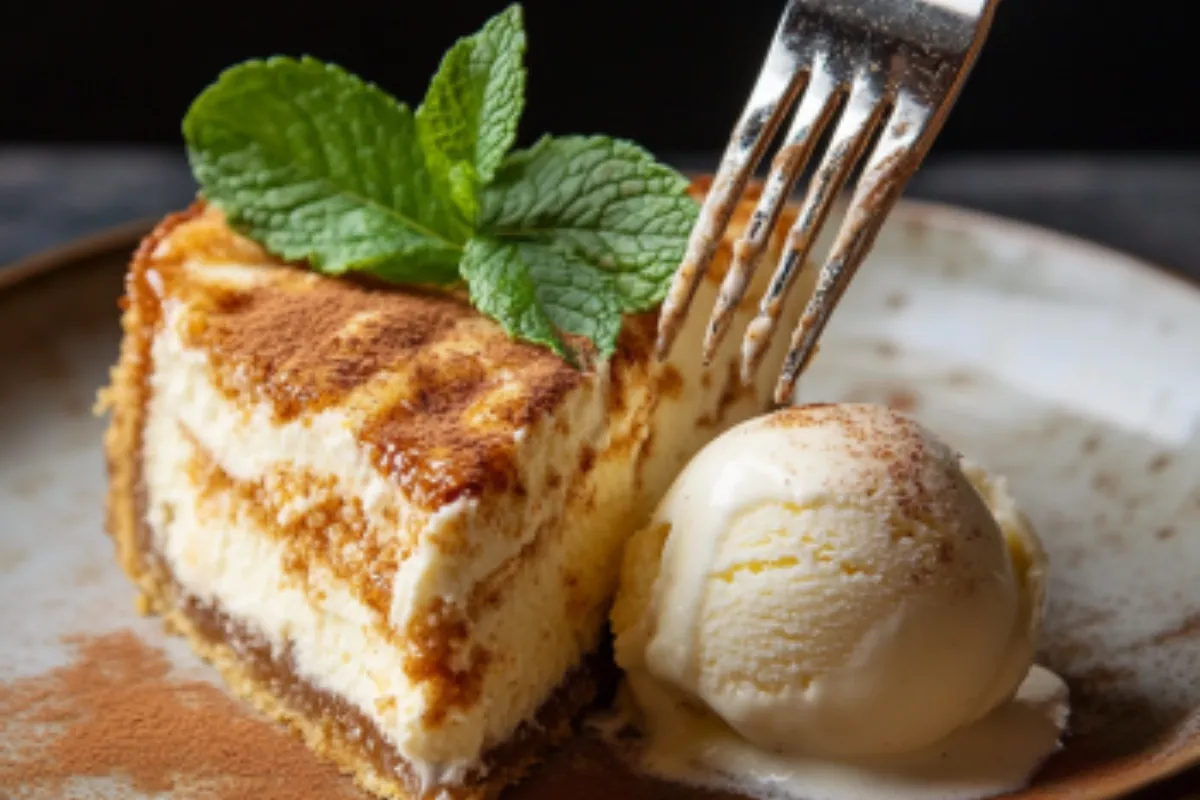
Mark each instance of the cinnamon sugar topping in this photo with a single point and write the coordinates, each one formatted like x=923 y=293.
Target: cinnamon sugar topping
x=920 y=469
x=439 y=391
x=306 y=348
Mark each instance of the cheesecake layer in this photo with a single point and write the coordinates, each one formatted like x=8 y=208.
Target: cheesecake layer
x=339 y=730
x=382 y=497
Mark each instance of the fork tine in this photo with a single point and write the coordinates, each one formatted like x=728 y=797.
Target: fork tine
x=817 y=108
x=773 y=93
x=853 y=133
x=899 y=152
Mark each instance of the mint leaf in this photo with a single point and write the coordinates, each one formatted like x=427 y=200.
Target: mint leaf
x=469 y=118
x=557 y=242
x=601 y=203
x=316 y=164
x=461 y=184
x=537 y=293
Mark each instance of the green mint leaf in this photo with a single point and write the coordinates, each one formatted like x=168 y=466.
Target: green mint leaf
x=603 y=203
x=316 y=164
x=468 y=121
x=463 y=189
x=557 y=242
x=537 y=293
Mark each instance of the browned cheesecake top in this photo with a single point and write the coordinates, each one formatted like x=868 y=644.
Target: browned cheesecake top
x=440 y=391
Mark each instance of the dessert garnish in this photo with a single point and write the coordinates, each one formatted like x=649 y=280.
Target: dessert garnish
x=561 y=239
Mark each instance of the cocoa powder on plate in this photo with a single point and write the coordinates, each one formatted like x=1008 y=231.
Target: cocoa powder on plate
x=117 y=711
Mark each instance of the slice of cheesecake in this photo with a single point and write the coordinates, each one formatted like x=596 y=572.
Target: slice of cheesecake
x=384 y=521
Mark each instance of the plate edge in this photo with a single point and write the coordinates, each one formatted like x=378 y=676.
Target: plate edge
x=962 y=217
x=61 y=256
x=928 y=212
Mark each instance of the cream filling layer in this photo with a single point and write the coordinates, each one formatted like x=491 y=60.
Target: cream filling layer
x=335 y=645
x=545 y=616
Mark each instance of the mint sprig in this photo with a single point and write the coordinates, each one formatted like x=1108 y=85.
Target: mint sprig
x=603 y=212
x=468 y=121
x=537 y=293
x=559 y=240
x=316 y=164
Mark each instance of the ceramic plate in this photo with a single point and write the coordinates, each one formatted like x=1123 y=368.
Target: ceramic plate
x=1070 y=368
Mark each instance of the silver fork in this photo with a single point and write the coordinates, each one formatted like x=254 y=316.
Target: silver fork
x=895 y=64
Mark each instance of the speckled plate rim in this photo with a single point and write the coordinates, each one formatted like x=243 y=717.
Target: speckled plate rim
x=1116 y=778
x=956 y=218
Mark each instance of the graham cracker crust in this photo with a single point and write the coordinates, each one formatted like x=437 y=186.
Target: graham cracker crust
x=341 y=733
x=329 y=725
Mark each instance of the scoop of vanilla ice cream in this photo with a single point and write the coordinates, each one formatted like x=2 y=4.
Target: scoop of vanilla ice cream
x=831 y=580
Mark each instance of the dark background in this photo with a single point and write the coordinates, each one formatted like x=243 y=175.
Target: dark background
x=1056 y=75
